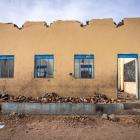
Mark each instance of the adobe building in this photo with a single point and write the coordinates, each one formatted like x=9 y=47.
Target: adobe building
x=71 y=59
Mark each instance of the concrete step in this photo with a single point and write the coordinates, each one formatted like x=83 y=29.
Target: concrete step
x=132 y=105
x=60 y=108
x=68 y=108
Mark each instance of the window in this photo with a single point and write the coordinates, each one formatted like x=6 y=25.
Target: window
x=83 y=66
x=44 y=66
x=6 y=66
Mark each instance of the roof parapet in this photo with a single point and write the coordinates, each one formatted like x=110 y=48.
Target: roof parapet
x=129 y=21
x=93 y=22
x=34 y=23
x=66 y=22
x=99 y=22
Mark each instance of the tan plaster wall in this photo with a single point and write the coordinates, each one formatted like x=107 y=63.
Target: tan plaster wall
x=64 y=39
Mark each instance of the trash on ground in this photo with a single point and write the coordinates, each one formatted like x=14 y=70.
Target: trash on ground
x=111 y=117
x=2 y=125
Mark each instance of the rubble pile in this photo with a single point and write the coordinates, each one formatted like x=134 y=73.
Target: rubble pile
x=73 y=120
x=111 y=117
x=55 y=98
x=4 y=96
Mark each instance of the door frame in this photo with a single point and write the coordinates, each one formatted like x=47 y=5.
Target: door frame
x=138 y=76
x=137 y=68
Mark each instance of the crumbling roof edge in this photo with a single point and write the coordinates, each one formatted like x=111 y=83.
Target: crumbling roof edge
x=93 y=22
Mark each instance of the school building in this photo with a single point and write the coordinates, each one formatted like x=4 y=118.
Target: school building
x=71 y=59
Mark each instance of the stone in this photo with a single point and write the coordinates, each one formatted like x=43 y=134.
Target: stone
x=112 y=117
x=55 y=98
x=21 y=115
x=104 y=116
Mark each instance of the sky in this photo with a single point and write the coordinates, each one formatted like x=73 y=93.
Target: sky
x=19 y=11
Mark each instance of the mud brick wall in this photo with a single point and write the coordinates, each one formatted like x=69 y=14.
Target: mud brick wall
x=63 y=39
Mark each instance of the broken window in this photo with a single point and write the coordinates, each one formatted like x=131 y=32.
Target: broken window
x=44 y=66
x=83 y=66
x=6 y=66
x=129 y=71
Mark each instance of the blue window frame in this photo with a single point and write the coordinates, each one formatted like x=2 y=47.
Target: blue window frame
x=44 y=66
x=84 y=66
x=127 y=55
x=6 y=66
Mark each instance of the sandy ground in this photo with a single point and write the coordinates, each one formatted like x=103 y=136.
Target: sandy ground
x=69 y=128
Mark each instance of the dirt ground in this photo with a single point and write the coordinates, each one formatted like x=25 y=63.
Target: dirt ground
x=127 y=127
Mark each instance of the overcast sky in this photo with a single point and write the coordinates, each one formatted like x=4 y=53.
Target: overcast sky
x=19 y=11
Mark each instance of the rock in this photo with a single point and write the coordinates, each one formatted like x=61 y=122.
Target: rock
x=12 y=115
x=21 y=115
x=11 y=129
x=104 y=116
x=21 y=99
x=5 y=97
x=55 y=98
x=112 y=117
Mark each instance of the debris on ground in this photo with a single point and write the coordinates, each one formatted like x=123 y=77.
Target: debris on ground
x=111 y=117
x=69 y=127
x=104 y=116
x=79 y=119
x=4 y=96
x=2 y=125
x=21 y=115
x=13 y=115
x=130 y=120
x=55 y=98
